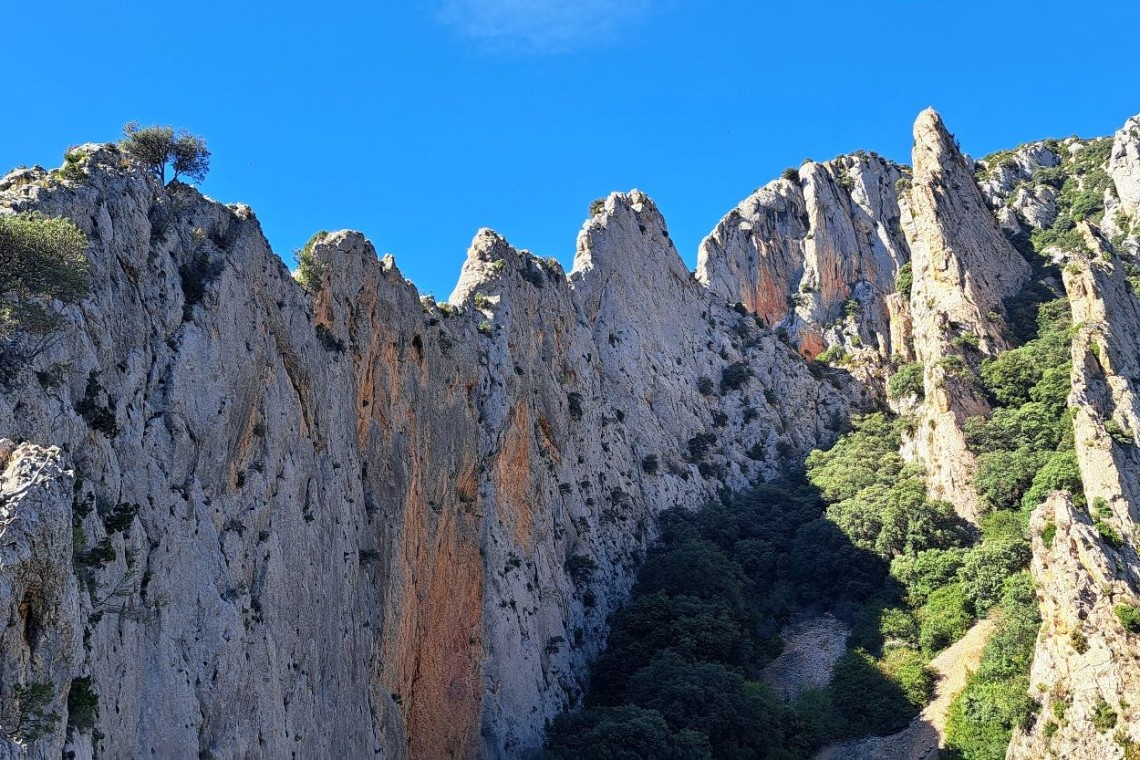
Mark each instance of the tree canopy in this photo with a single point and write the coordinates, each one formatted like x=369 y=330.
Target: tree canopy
x=157 y=146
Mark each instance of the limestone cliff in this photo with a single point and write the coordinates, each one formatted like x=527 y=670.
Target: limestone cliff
x=964 y=269
x=1124 y=167
x=1085 y=672
x=816 y=253
x=354 y=522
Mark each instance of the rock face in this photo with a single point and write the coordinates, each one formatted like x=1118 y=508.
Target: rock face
x=1085 y=668
x=38 y=594
x=355 y=522
x=817 y=253
x=963 y=268
x=1124 y=166
x=345 y=520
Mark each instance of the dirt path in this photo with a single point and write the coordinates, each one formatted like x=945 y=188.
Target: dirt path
x=811 y=649
x=922 y=739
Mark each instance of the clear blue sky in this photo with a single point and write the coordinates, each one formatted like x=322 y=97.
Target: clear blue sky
x=419 y=122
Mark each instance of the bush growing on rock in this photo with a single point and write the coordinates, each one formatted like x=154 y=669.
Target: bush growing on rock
x=906 y=382
x=40 y=256
x=156 y=147
x=1129 y=617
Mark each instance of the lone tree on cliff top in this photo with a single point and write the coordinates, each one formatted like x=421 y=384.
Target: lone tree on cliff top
x=156 y=146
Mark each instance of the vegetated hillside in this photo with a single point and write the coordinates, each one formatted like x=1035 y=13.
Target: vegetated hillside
x=246 y=516
x=682 y=675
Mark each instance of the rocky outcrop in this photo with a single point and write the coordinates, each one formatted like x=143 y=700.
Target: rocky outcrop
x=356 y=522
x=1084 y=558
x=816 y=254
x=1085 y=675
x=964 y=269
x=38 y=596
x=1124 y=166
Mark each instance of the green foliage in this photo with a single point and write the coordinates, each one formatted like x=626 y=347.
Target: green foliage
x=924 y=572
x=311 y=271
x=704 y=616
x=581 y=569
x=620 y=733
x=869 y=702
x=733 y=376
x=906 y=382
x=904 y=280
x=99 y=415
x=597 y=206
x=877 y=501
x=1129 y=617
x=74 y=165
x=1004 y=476
x=907 y=667
x=987 y=567
x=944 y=618
x=791 y=174
x=1060 y=473
x=1103 y=716
x=967 y=340
x=33 y=718
x=1118 y=433
x=156 y=147
x=39 y=256
x=1101 y=514
x=82 y=704
x=996 y=698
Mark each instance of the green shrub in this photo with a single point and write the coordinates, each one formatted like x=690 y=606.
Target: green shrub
x=39 y=256
x=82 y=704
x=1129 y=617
x=597 y=206
x=33 y=717
x=904 y=280
x=1061 y=473
x=311 y=271
x=906 y=381
x=1118 y=433
x=733 y=376
x=924 y=572
x=986 y=569
x=1078 y=641
x=967 y=340
x=996 y=698
x=1103 y=716
x=581 y=569
x=870 y=702
x=944 y=618
x=1003 y=477
x=907 y=668
x=791 y=174
x=624 y=732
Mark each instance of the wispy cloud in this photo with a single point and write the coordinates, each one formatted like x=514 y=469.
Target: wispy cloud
x=540 y=26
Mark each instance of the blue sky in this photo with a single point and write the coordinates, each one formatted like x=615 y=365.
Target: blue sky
x=420 y=122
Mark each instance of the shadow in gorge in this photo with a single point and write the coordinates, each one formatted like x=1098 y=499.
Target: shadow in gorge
x=679 y=678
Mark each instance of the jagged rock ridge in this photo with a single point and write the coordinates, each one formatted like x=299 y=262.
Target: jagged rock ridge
x=362 y=523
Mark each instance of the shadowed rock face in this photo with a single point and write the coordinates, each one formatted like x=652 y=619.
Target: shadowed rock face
x=366 y=523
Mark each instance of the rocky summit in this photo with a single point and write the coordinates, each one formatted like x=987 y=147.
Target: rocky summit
x=246 y=513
